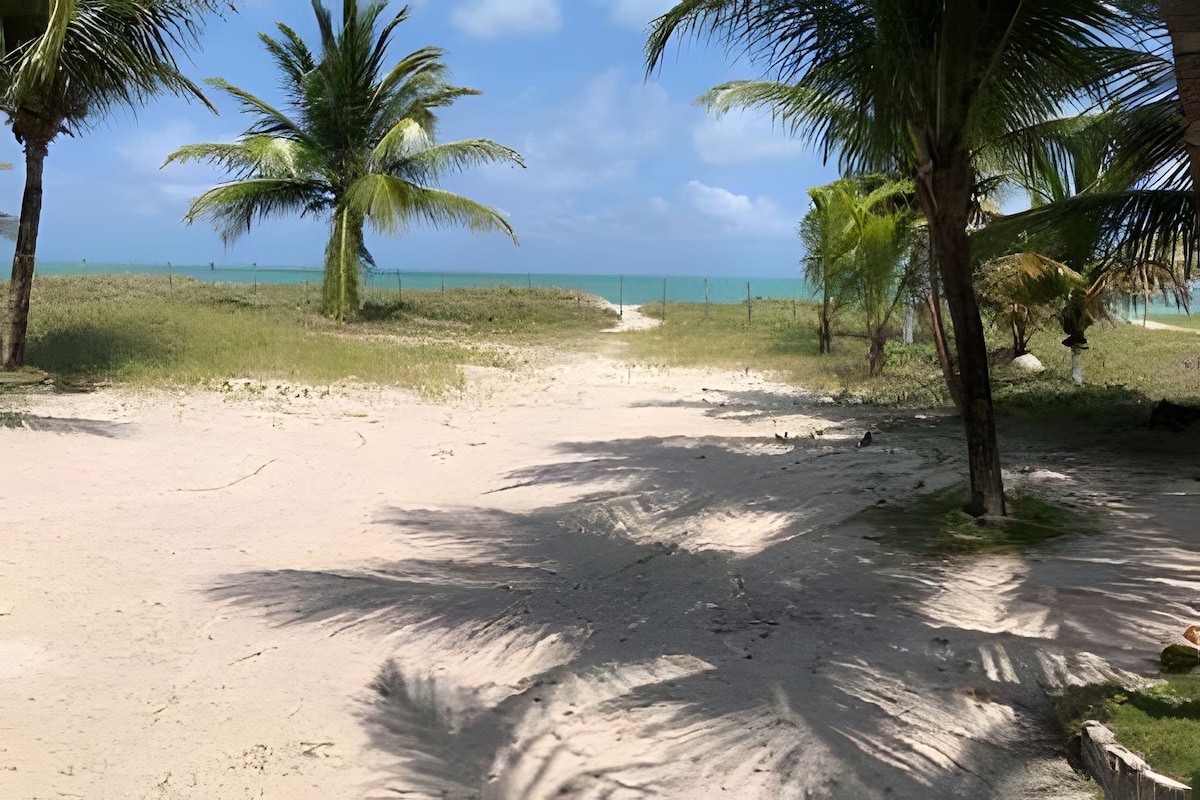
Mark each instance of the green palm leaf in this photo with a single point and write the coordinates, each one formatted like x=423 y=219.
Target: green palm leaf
x=392 y=205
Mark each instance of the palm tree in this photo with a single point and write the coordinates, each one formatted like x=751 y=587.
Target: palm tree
x=855 y=237
x=1023 y=291
x=63 y=68
x=356 y=145
x=919 y=87
x=827 y=234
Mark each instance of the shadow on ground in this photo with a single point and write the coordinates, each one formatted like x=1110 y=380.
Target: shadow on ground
x=719 y=618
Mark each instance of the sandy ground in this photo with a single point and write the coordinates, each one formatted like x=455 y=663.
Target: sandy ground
x=593 y=580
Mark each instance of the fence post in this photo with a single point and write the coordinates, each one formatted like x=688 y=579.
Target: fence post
x=749 y=305
x=255 y=264
x=706 y=298
x=170 y=278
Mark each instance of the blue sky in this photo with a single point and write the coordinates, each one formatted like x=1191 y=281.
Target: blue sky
x=624 y=175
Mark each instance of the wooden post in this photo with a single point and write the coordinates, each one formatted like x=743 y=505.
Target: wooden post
x=170 y=278
x=443 y=283
x=621 y=296
x=749 y=305
x=706 y=298
x=400 y=286
x=255 y=264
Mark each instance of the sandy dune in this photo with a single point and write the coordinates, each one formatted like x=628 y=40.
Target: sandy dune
x=596 y=580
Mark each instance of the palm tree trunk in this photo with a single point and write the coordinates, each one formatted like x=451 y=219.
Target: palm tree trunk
x=1183 y=23
x=12 y=354
x=824 y=333
x=944 y=193
x=342 y=266
x=934 y=302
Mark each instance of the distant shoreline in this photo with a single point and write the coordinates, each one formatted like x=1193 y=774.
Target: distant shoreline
x=619 y=289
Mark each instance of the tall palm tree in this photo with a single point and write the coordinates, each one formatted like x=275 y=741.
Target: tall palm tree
x=919 y=87
x=64 y=67
x=357 y=144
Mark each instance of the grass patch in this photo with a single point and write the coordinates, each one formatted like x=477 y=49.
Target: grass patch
x=1159 y=723
x=146 y=329
x=1127 y=370
x=935 y=523
x=1178 y=320
x=780 y=336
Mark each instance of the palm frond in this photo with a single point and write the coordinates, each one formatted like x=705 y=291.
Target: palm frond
x=254 y=156
x=233 y=208
x=432 y=162
x=270 y=121
x=391 y=206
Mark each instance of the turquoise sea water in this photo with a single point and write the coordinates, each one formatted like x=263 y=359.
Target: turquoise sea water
x=629 y=289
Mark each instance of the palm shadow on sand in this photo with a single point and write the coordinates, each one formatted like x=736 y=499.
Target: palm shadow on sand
x=710 y=618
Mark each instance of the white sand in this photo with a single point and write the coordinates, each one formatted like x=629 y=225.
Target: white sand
x=575 y=568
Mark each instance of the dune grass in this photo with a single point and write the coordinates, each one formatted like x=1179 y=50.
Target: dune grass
x=145 y=329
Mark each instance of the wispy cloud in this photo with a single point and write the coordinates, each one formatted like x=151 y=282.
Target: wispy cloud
x=742 y=136
x=597 y=139
x=492 y=19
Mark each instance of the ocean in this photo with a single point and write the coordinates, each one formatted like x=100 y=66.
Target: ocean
x=627 y=289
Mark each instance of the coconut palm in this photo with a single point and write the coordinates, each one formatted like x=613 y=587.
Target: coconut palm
x=920 y=87
x=356 y=145
x=856 y=238
x=1023 y=292
x=64 y=65
x=827 y=234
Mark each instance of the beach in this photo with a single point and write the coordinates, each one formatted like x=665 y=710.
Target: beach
x=587 y=578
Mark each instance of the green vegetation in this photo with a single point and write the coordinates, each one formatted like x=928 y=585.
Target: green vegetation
x=936 y=523
x=1131 y=369
x=152 y=330
x=781 y=337
x=1178 y=320
x=1159 y=723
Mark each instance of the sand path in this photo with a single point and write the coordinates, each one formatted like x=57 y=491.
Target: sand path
x=595 y=579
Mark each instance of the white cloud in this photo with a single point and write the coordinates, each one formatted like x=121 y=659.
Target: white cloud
x=637 y=14
x=736 y=212
x=742 y=136
x=595 y=140
x=491 y=19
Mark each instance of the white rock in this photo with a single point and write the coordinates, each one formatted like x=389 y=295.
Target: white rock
x=1027 y=363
